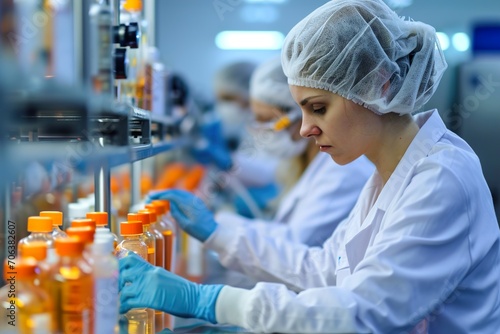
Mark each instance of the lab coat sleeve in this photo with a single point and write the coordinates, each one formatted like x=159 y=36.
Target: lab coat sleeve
x=418 y=258
x=263 y=257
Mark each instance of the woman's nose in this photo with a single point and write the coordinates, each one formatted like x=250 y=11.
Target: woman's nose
x=308 y=128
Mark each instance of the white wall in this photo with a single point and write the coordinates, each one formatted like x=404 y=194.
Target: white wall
x=186 y=30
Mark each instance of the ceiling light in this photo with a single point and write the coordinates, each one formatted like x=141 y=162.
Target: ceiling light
x=249 y=40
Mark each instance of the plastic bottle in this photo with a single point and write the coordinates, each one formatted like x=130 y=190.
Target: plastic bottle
x=160 y=253
x=101 y=221
x=38 y=251
x=105 y=270
x=166 y=227
x=147 y=236
x=57 y=220
x=140 y=320
x=41 y=230
x=73 y=288
x=86 y=235
x=25 y=305
x=84 y=222
x=76 y=211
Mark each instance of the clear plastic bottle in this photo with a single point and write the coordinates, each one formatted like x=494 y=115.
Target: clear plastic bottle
x=41 y=230
x=146 y=236
x=160 y=253
x=105 y=270
x=101 y=221
x=57 y=220
x=76 y=211
x=86 y=235
x=38 y=251
x=140 y=320
x=166 y=227
x=27 y=307
x=72 y=288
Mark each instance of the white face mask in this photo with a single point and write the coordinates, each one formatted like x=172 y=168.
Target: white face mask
x=234 y=119
x=281 y=145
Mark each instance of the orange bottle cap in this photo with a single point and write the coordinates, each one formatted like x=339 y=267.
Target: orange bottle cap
x=101 y=218
x=152 y=214
x=162 y=203
x=35 y=249
x=40 y=224
x=71 y=246
x=85 y=234
x=133 y=5
x=131 y=228
x=19 y=268
x=57 y=217
x=140 y=217
x=85 y=222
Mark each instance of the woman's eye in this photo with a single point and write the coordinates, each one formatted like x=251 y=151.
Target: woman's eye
x=321 y=110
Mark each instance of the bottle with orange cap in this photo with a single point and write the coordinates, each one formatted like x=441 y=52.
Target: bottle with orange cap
x=40 y=229
x=139 y=320
x=101 y=221
x=105 y=271
x=147 y=236
x=159 y=253
x=27 y=307
x=57 y=220
x=38 y=251
x=86 y=235
x=72 y=287
x=167 y=229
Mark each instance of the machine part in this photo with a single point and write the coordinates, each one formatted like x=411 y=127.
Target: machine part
x=127 y=35
x=120 y=68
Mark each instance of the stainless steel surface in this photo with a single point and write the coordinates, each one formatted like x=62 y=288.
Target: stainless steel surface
x=102 y=190
x=115 y=7
x=149 y=15
x=135 y=182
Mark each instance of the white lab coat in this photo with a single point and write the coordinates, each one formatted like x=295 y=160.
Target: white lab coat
x=422 y=257
x=323 y=197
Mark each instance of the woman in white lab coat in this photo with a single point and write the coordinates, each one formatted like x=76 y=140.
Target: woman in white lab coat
x=323 y=193
x=419 y=253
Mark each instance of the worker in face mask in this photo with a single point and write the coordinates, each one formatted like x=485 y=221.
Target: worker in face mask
x=231 y=85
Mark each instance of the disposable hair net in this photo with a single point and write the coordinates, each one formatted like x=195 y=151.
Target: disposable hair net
x=234 y=79
x=270 y=85
x=361 y=50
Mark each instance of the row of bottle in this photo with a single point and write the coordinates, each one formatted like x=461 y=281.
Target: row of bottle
x=72 y=285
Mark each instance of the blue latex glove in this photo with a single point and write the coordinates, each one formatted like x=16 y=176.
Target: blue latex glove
x=261 y=196
x=190 y=213
x=213 y=149
x=218 y=155
x=143 y=285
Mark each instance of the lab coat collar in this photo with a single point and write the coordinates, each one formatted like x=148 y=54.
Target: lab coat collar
x=431 y=130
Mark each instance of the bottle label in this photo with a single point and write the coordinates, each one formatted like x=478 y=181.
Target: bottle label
x=106 y=305
x=76 y=305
